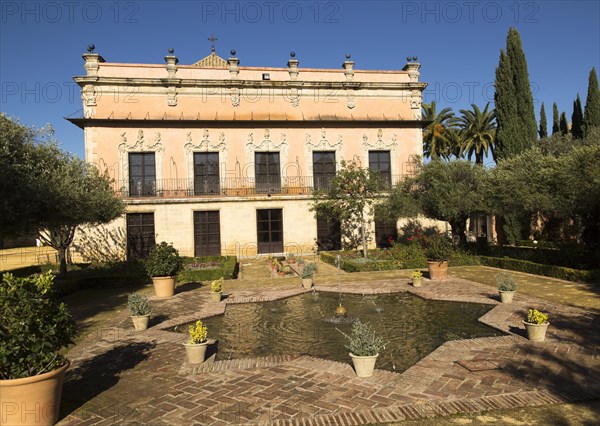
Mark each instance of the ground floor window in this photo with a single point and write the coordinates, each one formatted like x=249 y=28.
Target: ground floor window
x=207 y=233
x=329 y=234
x=385 y=233
x=140 y=235
x=269 y=226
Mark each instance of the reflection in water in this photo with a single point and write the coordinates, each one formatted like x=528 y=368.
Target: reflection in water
x=306 y=324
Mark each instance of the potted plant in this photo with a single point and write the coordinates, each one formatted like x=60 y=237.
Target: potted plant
x=291 y=258
x=536 y=325
x=364 y=346
x=275 y=265
x=216 y=290
x=438 y=251
x=140 y=310
x=307 y=272
x=35 y=327
x=163 y=264
x=507 y=286
x=195 y=348
x=416 y=278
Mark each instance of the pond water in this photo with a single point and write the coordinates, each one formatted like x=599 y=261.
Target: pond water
x=307 y=324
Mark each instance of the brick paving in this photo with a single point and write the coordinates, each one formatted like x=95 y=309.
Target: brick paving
x=124 y=377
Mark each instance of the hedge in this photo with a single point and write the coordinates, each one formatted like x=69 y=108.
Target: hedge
x=357 y=264
x=569 y=255
x=227 y=268
x=561 y=272
x=83 y=276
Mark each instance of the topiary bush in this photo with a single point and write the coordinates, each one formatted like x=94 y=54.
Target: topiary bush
x=34 y=327
x=362 y=340
x=164 y=261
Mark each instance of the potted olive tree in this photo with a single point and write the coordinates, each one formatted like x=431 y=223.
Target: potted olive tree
x=195 y=348
x=416 y=278
x=163 y=264
x=216 y=290
x=536 y=325
x=140 y=310
x=438 y=250
x=364 y=346
x=307 y=273
x=34 y=328
x=507 y=286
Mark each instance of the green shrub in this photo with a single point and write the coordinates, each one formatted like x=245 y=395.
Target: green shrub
x=505 y=281
x=438 y=248
x=409 y=256
x=308 y=270
x=138 y=305
x=34 y=327
x=362 y=340
x=224 y=267
x=163 y=261
x=568 y=274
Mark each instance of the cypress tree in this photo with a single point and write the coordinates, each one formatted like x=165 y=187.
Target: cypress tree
x=591 y=116
x=577 y=119
x=564 y=125
x=543 y=123
x=517 y=128
x=555 y=122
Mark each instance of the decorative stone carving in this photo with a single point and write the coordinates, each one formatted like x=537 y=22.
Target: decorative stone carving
x=323 y=144
x=381 y=144
x=141 y=145
x=211 y=61
x=415 y=99
x=350 y=102
x=294 y=96
x=235 y=97
x=172 y=96
x=266 y=144
x=89 y=95
x=205 y=145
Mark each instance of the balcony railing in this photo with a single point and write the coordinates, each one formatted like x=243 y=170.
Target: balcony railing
x=226 y=187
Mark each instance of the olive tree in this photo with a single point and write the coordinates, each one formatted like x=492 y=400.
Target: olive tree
x=450 y=191
x=51 y=190
x=349 y=198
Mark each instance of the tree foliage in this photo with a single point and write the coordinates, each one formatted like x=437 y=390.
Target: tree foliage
x=52 y=191
x=438 y=136
x=555 y=119
x=577 y=119
x=478 y=130
x=543 y=132
x=591 y=116
x=517 y=128
x=564 y=125
x=349 y=198
x=448 y=191
x=563 y=184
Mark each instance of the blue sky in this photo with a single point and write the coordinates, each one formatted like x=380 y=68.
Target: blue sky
x=457 y=42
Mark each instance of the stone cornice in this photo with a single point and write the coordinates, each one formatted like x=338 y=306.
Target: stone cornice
x=204 y=83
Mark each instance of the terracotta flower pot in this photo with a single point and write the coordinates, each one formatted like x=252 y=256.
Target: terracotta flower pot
x=363 y=365
x=164 y=286
x=536 y=332
x=506 y=296
x=437 y=270
x=195 y=352
x=307 y=282
x=140 y=323
x=32 y=400
x=215 y=297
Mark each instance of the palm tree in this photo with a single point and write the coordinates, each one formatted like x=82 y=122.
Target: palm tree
x=478 y=129
x=436 y=134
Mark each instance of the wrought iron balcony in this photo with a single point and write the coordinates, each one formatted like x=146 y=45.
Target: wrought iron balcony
x=226 y=187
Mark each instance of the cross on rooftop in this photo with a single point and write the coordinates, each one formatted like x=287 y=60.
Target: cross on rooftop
x=212 y=40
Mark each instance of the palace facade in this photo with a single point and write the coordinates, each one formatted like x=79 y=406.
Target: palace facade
x=221 y=159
